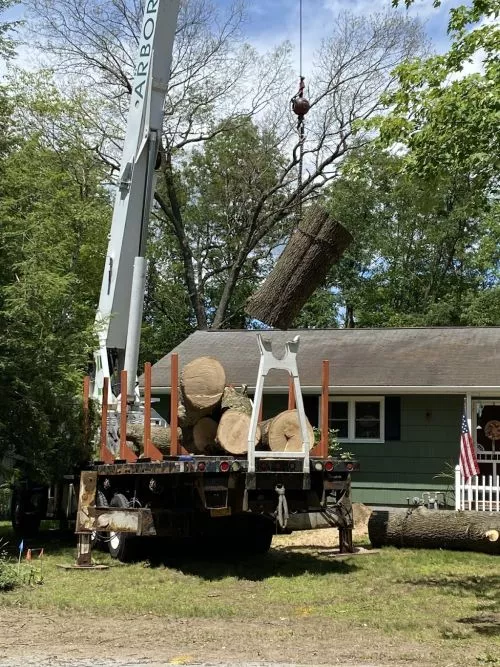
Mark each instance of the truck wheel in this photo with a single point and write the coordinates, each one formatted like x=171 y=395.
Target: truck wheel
x=251 y=534
x=121 y=545
x=97 y=539
x=259 y=536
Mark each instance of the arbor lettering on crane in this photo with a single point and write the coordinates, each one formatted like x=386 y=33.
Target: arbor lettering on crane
x=148 y=31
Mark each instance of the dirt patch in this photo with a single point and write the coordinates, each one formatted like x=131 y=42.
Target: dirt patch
x=55 y=638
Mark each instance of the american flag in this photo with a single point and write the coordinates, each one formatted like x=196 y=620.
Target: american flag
x=468 y=460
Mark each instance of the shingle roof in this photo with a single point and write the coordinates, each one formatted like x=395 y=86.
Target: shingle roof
x=426 y=357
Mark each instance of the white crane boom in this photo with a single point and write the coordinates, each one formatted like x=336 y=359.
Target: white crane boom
x=121 y=300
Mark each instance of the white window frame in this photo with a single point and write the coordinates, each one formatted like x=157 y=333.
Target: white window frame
x=351 y=416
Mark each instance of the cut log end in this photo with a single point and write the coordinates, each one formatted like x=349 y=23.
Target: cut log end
x=204 y=435
x=202 y=384
x=233 y=431
x=283 y=433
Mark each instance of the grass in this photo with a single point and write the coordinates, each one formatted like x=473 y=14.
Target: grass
x=428 y=596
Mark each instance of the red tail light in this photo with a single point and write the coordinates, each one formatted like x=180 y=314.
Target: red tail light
x=329 y=466
x=224 y=466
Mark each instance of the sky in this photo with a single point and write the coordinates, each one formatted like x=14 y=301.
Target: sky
x=270 y=22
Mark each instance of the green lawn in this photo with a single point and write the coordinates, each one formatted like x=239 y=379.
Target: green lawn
x=428 y=596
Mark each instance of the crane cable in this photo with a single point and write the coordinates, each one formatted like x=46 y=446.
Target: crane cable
x=300 y=106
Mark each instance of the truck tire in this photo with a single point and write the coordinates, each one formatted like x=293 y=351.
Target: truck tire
x=259 y=531
x=122 y=546
x=244 y=535
x=97 y=539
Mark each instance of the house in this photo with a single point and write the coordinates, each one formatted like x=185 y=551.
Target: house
x=396 y=397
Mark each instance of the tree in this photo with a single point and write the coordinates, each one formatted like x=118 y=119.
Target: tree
x=54 y=213
x=218 y=81
x=449 y=119
x=7 y=43
x=423 y=256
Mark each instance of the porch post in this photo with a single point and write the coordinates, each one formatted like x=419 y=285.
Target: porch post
x=458 y=489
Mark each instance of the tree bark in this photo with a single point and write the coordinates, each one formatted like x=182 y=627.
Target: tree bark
x=202 y=384
x=282 y=433
x=318 y=243
x=160 y=436
x=436 y=529
x=236 y=399
x=232 y=433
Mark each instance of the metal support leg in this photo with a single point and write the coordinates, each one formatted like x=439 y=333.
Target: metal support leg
x=84 y=551
x=288 y=363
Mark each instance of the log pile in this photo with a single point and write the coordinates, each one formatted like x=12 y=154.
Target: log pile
x=215 y=418
x=436 y=529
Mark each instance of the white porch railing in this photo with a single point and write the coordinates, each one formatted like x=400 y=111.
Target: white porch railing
x=481 y=493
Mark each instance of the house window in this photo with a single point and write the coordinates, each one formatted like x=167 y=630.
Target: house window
x=357 y=418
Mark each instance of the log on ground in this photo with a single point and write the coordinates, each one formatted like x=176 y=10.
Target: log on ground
x=436 y=529
x=233 y=430
x=317 y=244
x=160 y=436
x=282 y=433
x=202 y=384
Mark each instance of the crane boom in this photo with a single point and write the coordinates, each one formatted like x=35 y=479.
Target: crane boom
x=121 y=300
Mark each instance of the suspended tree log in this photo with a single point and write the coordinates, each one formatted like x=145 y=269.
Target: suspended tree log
x=317 y=244
x=436 y=529
x=282 y=433
x=160 y=436
x=204 y=435
x=232 y=433
x=202 y=383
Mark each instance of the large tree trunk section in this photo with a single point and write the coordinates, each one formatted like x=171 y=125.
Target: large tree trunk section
x=317 y=244
x=160 y=436
x=232 y=433
x=202 y=383
x=436 y=529
x=282 y=433
x=204 y=434
x=236 y=399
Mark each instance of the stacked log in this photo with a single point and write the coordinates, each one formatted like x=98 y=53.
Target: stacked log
x=282 y=433
x=202 y=384
x=160 y=436
x=215 y=419
x=436 y=529
x=234 y=425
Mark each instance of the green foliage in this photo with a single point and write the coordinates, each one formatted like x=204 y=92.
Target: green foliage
x=222 y=222
x=448 y=119
x=9 y=578
x=54 y=215
x=426 y=253
x=7 y=43
x=335 y=449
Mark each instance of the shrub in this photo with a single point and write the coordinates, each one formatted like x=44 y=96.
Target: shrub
x=9 y=578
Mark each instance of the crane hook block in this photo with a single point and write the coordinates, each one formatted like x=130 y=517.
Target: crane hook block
x=300 y=106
